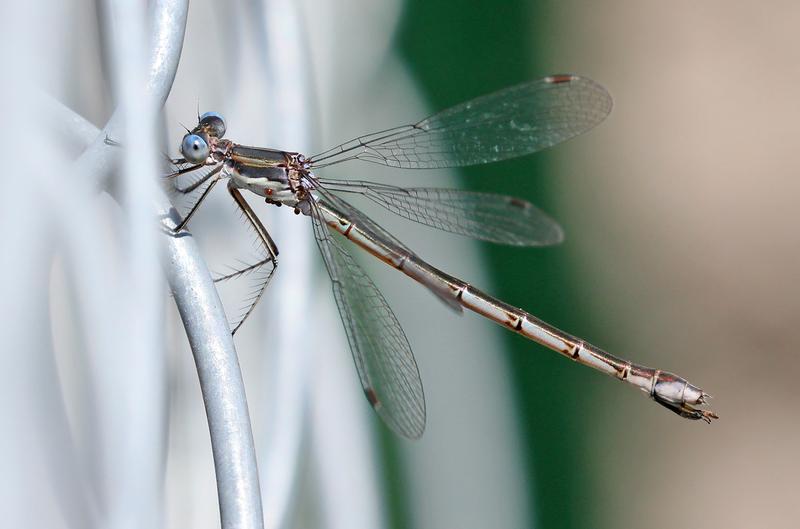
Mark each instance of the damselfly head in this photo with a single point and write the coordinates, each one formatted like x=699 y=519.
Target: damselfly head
x=198 y=143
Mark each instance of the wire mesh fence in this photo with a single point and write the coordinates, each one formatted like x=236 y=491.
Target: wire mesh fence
x=108 y=418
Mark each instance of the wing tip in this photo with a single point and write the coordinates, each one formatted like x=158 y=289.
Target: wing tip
x=412 y=432
x=567 y=78
x=412 y=428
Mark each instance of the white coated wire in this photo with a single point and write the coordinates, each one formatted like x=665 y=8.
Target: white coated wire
x=83 y=297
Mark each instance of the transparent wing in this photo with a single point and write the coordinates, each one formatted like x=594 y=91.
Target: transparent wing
x=495 y=218
x=374 y=231
x=382 y=354
x=512 y=122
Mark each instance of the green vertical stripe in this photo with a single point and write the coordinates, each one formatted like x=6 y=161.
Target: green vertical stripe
x=458 y=50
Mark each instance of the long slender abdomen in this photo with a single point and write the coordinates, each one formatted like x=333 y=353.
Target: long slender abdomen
x=669 y=390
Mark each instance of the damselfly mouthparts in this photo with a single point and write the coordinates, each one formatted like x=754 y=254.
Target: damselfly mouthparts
x=506 y=124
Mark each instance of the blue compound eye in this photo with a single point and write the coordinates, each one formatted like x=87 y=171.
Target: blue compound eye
x=213 y=123
x=194 y=148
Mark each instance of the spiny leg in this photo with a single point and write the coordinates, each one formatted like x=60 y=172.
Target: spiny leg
x=213 y=174
x=194 y=185
x=269 y=247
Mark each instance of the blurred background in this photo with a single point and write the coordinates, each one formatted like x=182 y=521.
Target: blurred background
x=681 y=253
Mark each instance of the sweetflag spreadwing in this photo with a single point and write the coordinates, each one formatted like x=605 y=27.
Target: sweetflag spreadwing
x=512 y=122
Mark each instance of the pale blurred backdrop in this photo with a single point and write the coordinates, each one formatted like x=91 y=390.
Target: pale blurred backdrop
x=681 y=253
x=682 y=214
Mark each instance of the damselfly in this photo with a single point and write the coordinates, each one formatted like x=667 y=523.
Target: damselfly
x=506 y=124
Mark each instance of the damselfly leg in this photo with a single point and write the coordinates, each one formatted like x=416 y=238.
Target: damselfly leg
x=267 y=246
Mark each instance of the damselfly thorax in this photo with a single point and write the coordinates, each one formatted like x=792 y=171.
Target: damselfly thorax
x=512 y=122
x=273 y=174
